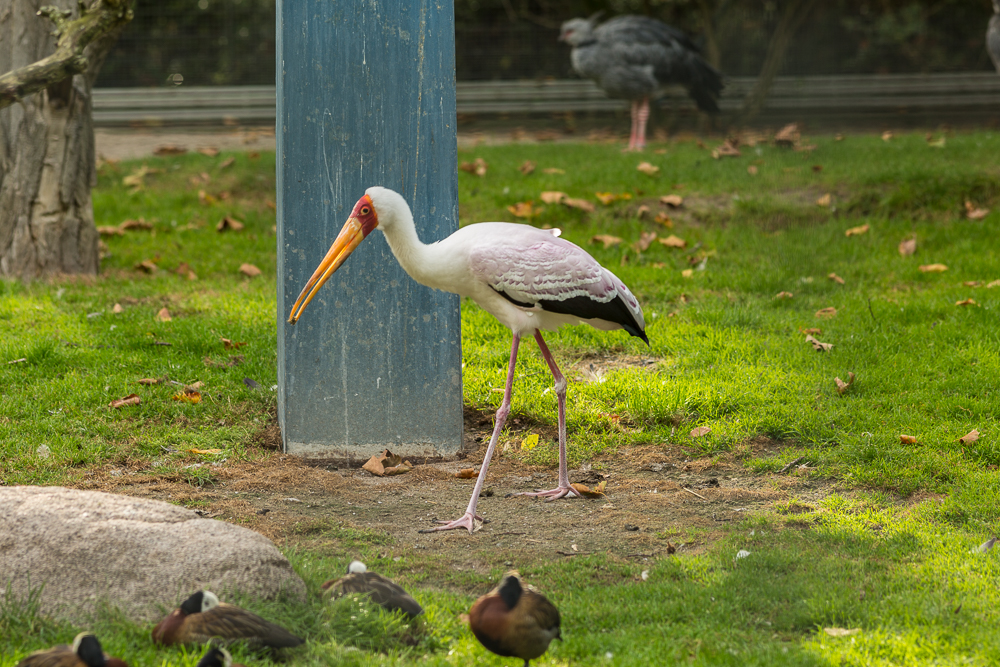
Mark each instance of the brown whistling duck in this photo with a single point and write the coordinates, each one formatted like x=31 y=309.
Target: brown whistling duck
x=86 y=651
x=514 y=620
x=381 y=590
x=217 y=657
x=202 y=618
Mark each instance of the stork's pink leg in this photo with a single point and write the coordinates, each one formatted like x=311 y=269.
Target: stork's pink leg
x=642 y=116
x=469 y=519
x=564 y=489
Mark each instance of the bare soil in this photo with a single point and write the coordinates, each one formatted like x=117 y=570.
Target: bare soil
x=658 y=500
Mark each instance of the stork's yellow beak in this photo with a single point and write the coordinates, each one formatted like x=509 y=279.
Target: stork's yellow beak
x=350 y=236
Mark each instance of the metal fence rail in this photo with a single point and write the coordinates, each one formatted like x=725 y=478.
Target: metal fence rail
x=973 y=96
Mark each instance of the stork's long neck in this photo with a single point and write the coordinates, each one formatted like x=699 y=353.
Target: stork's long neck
x=421 y=261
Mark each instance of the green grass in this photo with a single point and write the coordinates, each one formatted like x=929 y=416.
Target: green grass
x=889 y=553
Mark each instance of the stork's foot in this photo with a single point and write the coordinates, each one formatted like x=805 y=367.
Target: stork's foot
x=551 y=494
x=469 y=521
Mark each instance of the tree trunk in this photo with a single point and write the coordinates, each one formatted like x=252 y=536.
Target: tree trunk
x=796 y=12
x=47 y=162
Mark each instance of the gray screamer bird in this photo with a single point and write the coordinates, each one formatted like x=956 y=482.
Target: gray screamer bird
x=631 y=57
x=993 y=36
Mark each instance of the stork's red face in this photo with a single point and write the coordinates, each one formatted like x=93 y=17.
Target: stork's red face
x=361 y=223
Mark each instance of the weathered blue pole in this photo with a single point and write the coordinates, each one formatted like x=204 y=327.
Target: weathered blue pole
x=366 y=96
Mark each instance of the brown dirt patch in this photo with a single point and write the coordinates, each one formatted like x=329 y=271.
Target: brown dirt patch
x=658 y=498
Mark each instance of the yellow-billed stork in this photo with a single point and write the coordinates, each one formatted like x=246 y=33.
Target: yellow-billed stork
x=526 y=277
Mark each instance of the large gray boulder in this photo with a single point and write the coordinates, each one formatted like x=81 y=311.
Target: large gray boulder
x=143 y=556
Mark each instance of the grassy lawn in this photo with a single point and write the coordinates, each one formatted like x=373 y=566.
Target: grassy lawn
x=890 y=551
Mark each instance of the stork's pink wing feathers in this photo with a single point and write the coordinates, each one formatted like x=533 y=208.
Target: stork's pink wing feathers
x=529 y=264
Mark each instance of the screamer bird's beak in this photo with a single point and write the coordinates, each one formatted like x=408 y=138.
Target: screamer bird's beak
x=349 y=238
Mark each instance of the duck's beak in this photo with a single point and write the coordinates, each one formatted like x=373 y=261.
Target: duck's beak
x=349 y=238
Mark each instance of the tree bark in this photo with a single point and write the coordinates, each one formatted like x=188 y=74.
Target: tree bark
x=795 y=13
x=47 y=160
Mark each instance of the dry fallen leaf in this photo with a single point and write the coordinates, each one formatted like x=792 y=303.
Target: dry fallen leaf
x=907 y=247
x=553 y=170
x=841 y=632
x=606 y=239
x=149 y=381
x=131 y=399
x=857 y=231
x=969 y=437
x=530 y=442
x=973 y=213
x=788 y=136
x=477 y=167
x=169 y=149
x=784 y=295
x=188 y=397
x=553 y=196
x=728 y=148
x=164 y=315
x=648 y=169
x=827 y=312
x=467 y=473
x=205 y=198
x=117 y=308
x=645 y=239
x=933 y=268
x=137 y=179
x=835 y=278
x=229 y=223
x=664 y=220
x=249 y=270
x=811 y=331
x=110 y=231
x=673 y=201
x=586 y=492
x=887 y=135
x=387 y=464
x=973 y=283
x=908 y=439
x=687 y=273
x=966 y=302
x=607 y=198
x=825 y=200
x=210 y=151
x=752 y=170
x=214 y=450
x=527 y=167
x=841 y=385
x=400 y=469
x=228 y=162
x=581 y=204
x=674 y=242
x=642 y=212
x=700 y=431
x=230 y=345
x=818 y=346
x=524 y=209
x=135 y=224
x=146 y=265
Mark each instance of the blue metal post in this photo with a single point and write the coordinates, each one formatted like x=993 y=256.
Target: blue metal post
x=365 y=96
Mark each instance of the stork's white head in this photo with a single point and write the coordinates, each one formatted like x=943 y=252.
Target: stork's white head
x=390 y=207
x=356 y=566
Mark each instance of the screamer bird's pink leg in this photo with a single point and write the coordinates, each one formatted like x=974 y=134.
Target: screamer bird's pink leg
x=633 y=136
x=642 y=116
x=469 y=519
x=564 y=489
